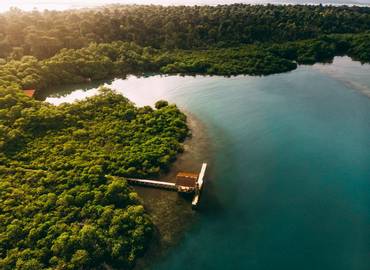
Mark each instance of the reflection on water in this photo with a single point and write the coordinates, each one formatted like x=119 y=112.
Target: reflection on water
x=70 y=93
x=352 y=73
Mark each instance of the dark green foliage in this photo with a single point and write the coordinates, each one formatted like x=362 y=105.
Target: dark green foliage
x=359 y=47
x=186 y=27
x=221 y=40
x=94 y=62
x=59 y=209
x=102 y=61
x=250 y=60
x=268 y=58
x=161 y=104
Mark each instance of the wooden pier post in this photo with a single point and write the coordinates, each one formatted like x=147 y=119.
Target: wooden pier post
x=199 y=186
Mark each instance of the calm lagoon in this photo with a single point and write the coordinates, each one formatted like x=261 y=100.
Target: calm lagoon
x=289 y=186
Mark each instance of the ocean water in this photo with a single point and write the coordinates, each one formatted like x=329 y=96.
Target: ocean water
x=289 y=180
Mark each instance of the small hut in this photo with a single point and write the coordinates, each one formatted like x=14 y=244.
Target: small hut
x=30 y=93
x=186 y=182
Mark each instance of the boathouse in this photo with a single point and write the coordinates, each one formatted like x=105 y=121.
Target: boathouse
x=186 y=182
x=30 y=93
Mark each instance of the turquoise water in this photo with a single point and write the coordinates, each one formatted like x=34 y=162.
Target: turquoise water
x=289 y=186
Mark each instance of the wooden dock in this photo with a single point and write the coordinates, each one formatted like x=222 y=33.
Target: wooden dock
x=199 y=186
x=153 y=183
x=184 y=184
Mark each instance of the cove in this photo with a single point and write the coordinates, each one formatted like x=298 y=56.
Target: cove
x=289 y=186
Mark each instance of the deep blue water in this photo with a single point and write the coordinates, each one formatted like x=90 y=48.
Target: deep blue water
x=289 y=186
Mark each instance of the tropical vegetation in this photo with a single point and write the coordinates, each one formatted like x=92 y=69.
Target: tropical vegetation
x=42 y=34
x=64 y=200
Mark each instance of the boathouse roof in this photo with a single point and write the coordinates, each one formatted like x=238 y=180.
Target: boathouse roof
x=186 y=179
x=29 y=92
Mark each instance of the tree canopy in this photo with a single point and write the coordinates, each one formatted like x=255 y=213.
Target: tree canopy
x=42 y=34
x=64 y=201
x=42 y=50
x=107 y=60
x=60 y=208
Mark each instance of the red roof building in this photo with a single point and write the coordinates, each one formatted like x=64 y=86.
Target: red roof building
x=30 y=93
x=186 y=182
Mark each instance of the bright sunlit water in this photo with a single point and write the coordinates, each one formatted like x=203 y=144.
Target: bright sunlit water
x=289 y=186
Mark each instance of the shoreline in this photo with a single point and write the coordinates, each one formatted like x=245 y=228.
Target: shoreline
x=171 y=212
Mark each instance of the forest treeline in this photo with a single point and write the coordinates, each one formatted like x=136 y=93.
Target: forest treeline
x=102 y=61
x=59 y=208
x=43 y=34
x=43 y=50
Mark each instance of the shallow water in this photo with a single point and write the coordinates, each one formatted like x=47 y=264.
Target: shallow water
x=289 y=186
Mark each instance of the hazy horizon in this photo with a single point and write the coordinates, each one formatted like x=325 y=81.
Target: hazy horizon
x=68 y=4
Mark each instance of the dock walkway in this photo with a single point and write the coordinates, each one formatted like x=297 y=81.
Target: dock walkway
x=196 y=187
x=153 y=183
